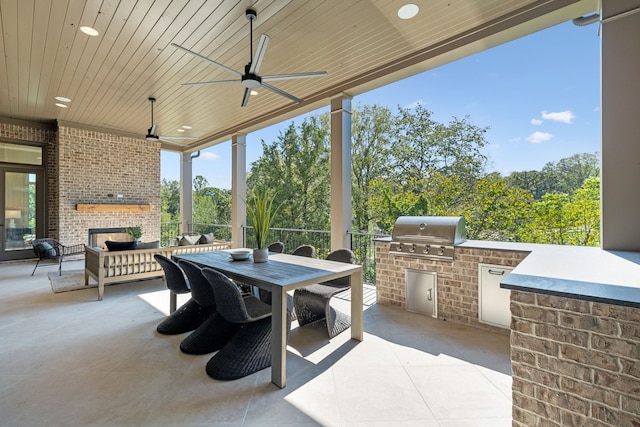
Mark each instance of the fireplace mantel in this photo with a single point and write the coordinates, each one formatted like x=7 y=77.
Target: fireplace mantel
x=111 y=207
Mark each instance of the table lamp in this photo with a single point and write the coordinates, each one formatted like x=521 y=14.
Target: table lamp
x=12 y=215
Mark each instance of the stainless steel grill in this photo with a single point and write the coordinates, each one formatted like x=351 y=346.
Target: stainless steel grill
x=428 y=236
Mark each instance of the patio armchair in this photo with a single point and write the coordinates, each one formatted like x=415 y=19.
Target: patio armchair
x=249 y=350
x=215 y=331
x=276 y=247
x=312 y=303
x=51 y=249
x=190 y=315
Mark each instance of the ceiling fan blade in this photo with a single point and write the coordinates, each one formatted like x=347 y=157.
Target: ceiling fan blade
x=245 y=97
x=215 y=82
x=257 y=59
x=295 y=76
x=280 y=92
x=211 y=61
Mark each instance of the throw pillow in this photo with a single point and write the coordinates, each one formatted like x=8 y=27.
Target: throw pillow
x=206 y=239
x=121 y=246
x=45 y=250
x=149 y=245
x=188 y=240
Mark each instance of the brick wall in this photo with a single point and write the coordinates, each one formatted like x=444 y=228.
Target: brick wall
x=574 y=362
x=93 y=165
x=457 y=281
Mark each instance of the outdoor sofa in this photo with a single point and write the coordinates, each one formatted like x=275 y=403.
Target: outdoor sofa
x=108 y=267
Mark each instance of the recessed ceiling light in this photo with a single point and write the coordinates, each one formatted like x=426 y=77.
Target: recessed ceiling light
x=186 y=127
x=254 y=92
x=408 y=11
x=61 y=105
x=180 y=130
x=89 y=31
x=62 y=99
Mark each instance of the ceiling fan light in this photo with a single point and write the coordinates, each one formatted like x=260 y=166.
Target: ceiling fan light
x=89 y=31
x=408 y=11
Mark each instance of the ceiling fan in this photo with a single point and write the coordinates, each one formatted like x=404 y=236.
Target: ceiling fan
x=251 y=79
x=152 y=132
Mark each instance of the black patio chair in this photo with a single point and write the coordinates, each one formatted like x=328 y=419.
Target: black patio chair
x=276 y=247
x=51 y=249
x=215 y=331
x=190 y=315
x=312 y=303
x=249 y=350
x=265 y=295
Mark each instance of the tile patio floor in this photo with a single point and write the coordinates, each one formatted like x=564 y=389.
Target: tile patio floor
x=68 y=359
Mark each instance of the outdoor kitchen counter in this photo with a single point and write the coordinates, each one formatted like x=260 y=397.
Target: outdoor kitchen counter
x=584 y=273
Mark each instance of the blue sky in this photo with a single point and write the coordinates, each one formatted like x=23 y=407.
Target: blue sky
x=539 y=95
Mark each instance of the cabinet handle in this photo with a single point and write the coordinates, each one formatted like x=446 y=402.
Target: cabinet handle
x=496 y=272
x=429 y=295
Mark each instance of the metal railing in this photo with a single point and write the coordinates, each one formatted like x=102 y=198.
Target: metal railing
x=362 y=244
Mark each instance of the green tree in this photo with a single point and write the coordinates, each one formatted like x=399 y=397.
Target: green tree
x=371 y=134
x=211 y=205
x=296 y=167
x=495 y=211
x=170 y=201
x=423 y=147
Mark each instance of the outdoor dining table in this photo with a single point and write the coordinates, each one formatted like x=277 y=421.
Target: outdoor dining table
x=282 y=273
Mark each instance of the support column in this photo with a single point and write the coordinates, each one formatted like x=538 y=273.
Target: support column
x=620 y=174
x=186 y=192
x=340 y=172
x=238 y=188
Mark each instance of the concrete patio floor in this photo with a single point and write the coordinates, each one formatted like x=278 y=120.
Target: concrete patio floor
x=68 y=359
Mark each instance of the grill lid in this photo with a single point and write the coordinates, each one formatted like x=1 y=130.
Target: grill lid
x=427 y=236
x=437 y=229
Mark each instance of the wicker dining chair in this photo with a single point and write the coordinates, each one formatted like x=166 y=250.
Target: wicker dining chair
x=215 y=331
x=276 y=247
x=265 y=295
x=249 y=350
x=191 y=314
x=312 y=303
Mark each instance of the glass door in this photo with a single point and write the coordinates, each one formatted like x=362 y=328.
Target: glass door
x=21 y=212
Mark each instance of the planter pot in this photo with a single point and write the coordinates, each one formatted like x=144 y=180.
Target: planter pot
x=261 y=255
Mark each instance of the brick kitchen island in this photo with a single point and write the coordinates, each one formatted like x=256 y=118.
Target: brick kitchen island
x=575 y=324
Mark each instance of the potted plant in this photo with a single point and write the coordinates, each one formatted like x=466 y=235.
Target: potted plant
x=261 y=211
x=135 y=232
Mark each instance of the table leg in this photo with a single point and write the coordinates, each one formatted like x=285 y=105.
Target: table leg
x=357 y=290
x=279 y=336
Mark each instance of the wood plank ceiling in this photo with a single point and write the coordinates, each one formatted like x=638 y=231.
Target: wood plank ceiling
x=362 y=44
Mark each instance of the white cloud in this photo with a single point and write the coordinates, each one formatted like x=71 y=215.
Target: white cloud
x=536 y=122
x=209 y=156
x=415 y=104
x=560 y=116
x=538 y=137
